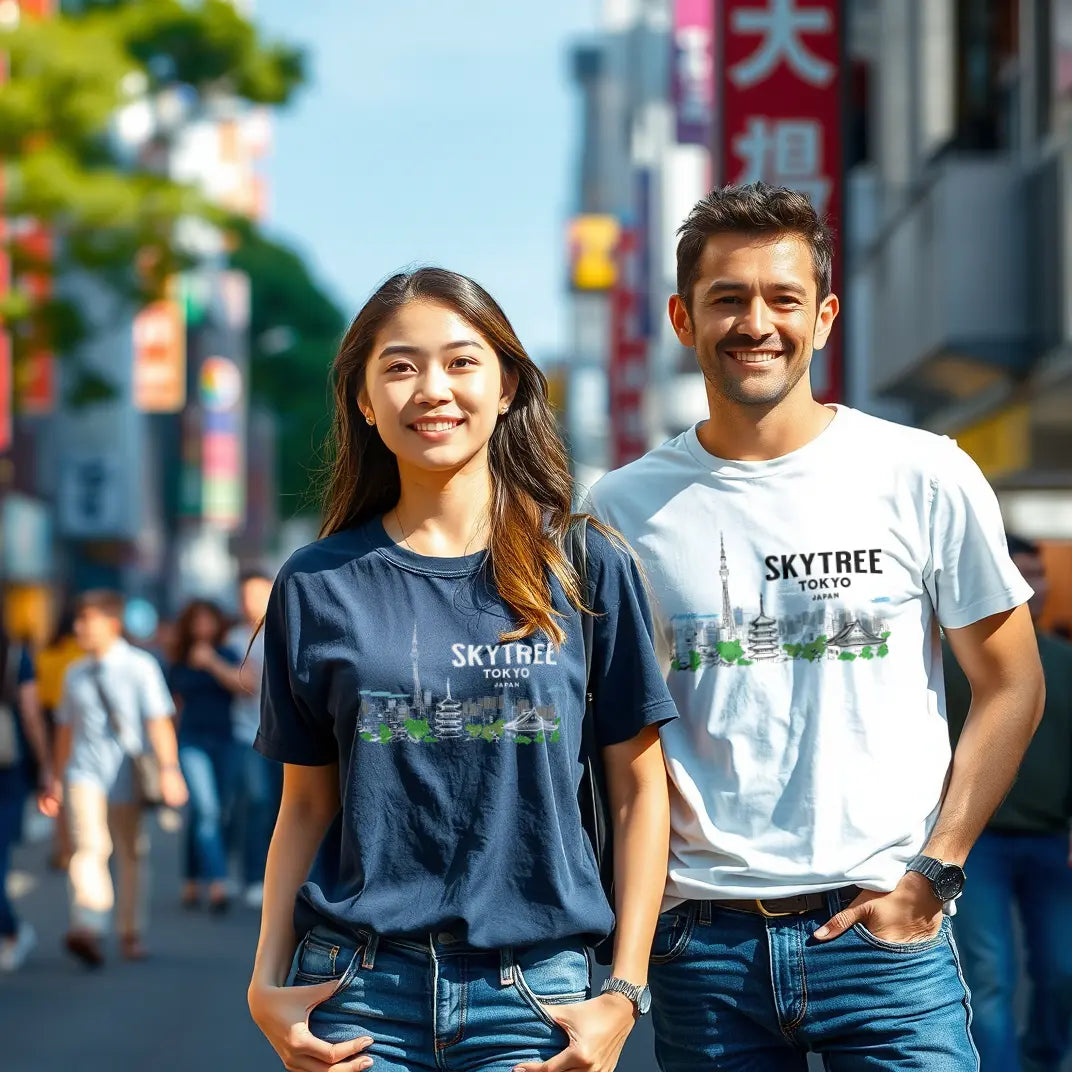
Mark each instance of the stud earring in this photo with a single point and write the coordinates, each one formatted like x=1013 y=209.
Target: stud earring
x=503 y=412
x=370 y=420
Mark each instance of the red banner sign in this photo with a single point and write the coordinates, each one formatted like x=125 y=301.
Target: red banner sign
x=780 y=96
x=627 y=369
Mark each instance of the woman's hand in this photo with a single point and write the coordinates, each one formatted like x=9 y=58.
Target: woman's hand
x=597 y=1030
x=282 y=1013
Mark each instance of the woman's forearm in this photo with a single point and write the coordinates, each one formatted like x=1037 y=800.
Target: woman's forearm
x=298 y=832
x=641 y=818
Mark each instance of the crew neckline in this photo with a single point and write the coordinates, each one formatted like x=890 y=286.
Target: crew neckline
x=736 y=469
x=430 y=565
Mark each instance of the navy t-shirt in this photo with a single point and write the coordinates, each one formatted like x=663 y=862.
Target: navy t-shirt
x=206 y=704
x=16 y=781
x=458 y=755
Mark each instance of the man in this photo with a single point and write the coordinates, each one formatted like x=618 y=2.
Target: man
x=801 y=558
x=1023 y=863
x=260 y=780
x=114 y=704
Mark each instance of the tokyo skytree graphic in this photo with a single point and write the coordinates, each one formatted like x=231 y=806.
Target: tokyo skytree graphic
x=418 y=696
x=727 y=627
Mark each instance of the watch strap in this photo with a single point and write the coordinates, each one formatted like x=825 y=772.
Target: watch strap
x=633 y=991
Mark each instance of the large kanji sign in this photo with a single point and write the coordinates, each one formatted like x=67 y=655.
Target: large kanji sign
x=780 y=100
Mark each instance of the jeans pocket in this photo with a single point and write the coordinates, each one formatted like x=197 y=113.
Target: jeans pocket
x=903 y=947
x=544 y=978
x=321 y=960
x=672 y=934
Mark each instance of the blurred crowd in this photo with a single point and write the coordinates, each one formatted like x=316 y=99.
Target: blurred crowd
x=100 y=727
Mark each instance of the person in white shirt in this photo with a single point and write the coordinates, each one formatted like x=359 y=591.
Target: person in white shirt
x=801 y=559
x=260 y=780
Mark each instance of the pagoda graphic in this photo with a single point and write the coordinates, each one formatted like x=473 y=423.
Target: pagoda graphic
x=854 y=635
x=448 y=717
x=727 y=627
x=763 y=636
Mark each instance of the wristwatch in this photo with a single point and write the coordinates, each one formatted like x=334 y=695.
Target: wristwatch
x=947 y=880
x=640 y=996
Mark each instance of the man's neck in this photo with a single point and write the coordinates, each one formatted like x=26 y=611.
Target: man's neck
x=104 y=649
x=755 y=434
x=442 y=518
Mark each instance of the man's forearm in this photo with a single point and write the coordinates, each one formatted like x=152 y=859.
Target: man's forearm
x=996 y=734
x=161 y=734
x=61 y=750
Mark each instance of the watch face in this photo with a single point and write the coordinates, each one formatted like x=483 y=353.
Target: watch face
x=950 y=883
x=644 y=1001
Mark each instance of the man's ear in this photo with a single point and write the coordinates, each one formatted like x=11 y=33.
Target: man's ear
x=681 y=321
x=824 y=322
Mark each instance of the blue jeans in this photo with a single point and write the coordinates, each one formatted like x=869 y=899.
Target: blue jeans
x=1030 y=875
x=258 y=789
x=441 y=1004
x=10 y=826
x=207 y=766
x=741 y=993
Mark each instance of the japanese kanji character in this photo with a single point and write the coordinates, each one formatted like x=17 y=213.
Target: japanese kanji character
x=785 y=152
x=781 y=25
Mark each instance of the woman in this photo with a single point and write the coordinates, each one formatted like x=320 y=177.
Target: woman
x=425 y=689
x=24 y=754
x=203 y=679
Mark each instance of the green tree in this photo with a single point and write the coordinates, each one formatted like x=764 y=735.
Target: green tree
x=729 y=651
x=867 y=653
x=386 y=733
x=418 y=728
x=815 y=649
x=847 y=657
x=694 y=660
x=68 y=78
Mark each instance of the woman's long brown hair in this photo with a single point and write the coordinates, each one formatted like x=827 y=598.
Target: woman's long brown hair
x=530 y=480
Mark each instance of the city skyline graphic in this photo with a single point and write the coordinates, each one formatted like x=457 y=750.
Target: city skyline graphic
x=827 y=629
x=418 y=716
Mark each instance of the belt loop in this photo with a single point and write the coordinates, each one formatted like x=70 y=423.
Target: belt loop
x=368 y=957
x=704 y=913
x=506 y=966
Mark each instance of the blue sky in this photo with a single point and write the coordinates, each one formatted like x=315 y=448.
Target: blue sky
x=432 y=132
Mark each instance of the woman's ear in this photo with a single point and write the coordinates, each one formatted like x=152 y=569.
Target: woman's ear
x=365 y=406
x=509 y=388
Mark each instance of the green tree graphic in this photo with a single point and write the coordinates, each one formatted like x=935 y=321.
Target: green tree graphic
x=555 y=737
x=366 y=736
x=539 y=738
x=867 y=653
x=883 y=650
x=522 y=739
x=386 y=733
x=475 y=732
x=745 y=662
x=816 y=649
x=729 y=651
x=674 y=665
x=886 y=635
x=847 y=657
x=494 y=731
x=793 y=650
x=418 y=728
x=694 y=660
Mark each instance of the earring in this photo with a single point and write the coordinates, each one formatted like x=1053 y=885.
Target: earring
x=370 y=420
x=503 y=412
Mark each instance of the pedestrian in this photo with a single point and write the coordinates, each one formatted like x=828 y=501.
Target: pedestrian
x=204 y=678
x=50 y=666
x=24 y=762
x=115 y=706
x=425 y=670
x=1022 y=866
x=801 y=559
x=258 y=779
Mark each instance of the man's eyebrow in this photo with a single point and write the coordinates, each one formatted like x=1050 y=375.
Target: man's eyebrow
x=406 y=348
x=736 y=286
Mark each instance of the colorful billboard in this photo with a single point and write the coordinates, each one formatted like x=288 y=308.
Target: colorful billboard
x=627 y=367
x=160 y=357
x=780 y=97
x=693 y=70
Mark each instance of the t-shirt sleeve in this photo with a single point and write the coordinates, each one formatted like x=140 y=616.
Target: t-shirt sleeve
x=291 y=731
x=627 y=684
x=64 y=713
x=26 y=672
x=970 y=574
x=153 y=694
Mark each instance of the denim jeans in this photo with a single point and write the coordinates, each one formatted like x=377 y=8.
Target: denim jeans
x=439 y=1004
x=258 y=789
x=207 y=765
x=11 y=806
x=742 y=993
x=1030 y=875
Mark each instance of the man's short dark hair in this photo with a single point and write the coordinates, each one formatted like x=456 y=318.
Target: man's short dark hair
x=1019 y=545
x=756 y=209
x=105 y=600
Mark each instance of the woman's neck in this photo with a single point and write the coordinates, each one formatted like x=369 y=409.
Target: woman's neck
x=442 y=516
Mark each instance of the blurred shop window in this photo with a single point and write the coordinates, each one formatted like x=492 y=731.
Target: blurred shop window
x=988 y=75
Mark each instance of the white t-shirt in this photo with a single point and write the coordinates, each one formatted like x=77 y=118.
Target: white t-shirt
x=797 y=602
